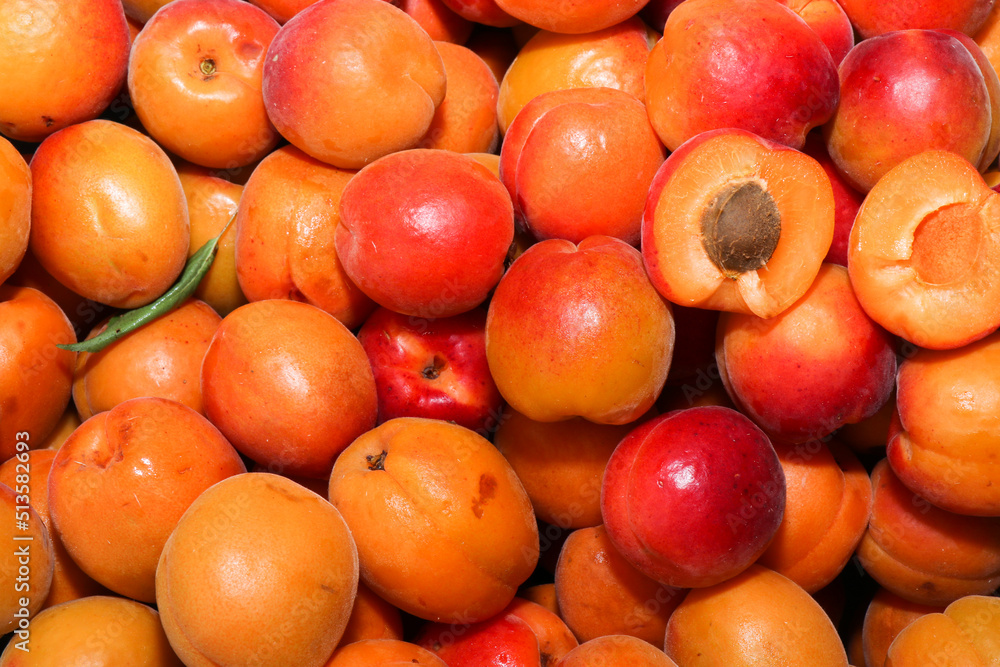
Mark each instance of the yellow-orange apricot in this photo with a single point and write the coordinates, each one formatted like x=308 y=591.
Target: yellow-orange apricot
x=608 y=650
x=26 y=565
x=466 y=119
x=922 y=255
x=259 y=571
x=542 y=594
x=285 y=225
x=758 y=617
x=371 y=618
x=162 y=358
x=383 y=653
x=600 y=593
x=443 y=526
x=555 y=639
x=575 y=18
x=738 y=223
x=923 y=553
x=965 y=634
x=887 y=614
x=15 y=208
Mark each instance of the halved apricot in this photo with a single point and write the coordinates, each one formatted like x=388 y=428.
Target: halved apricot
x=923 y=256
x=738 y=223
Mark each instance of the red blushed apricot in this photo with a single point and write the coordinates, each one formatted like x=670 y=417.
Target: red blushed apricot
x=575 y=18
x=96 y=630
x=194 y=79
x=443 y=526
x=992 y=82
x=36 y=377
x=144 y=462
x=614 y=57
x=559 y=343
x=776 y=78
x=439 y=21
x=108 y=214
x=383 y=653
x=872 y=18
x=15 y=203
x=738 y=223
x=879 y=122
x=371 y=618
x=615 y=650
x=212 y=201
x=578 y=162
x=828 y=503
x=483 y=12
x=554 y=637
x=313 y=391
x=425 y=232
x=26 y=565
x=561 y=464
x=965 y=634
x=922 y=255
x=846 y=199
x=466 y=120
x=162 y=359
x=599 y=593
x=259 y=571
x=945 y=448
x=923 y=553
x=820 y=363
x=63 y=64
x=887 y=614
x=375 y=92
x=285 y=227
x=32 y=468
x=280 y=10
x=829 y=20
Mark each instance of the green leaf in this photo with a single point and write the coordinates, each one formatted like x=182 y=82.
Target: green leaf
x=120 y=325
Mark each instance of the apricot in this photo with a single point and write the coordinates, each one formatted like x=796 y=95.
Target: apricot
x=738 y=223
x=68 y=423
x=945 y=446
x=554 y=637
x=212 y=201
x=15 y=202
x=36 y=377
x=296 y=577
x=543 y=595
x=443 y=526
x=162 y=358
x=829 y=20
x=144 y=460
x=558 y=342
x=282 y=10
x=579 y=162
x=313 y=391
x=820 y=363
x=504 y=639
x=371 y=618
x=600 y=593
x=27 y=563
x=375 y=92
x=992 y=82
x=758 y=617
x=575 y=18
x=95 y=630
x=877 y=125
x=141 y=11
x=965 y=634
x=846 y=199
x=827 y=508
x=285 y=225
x=194 y=80
x=466 y=119
x=747 y=64
x=610 y=650
x=425 y=232
x=383 y=653
x=108 y=214
x=923 y=553
x=886 y=616
x=439 y=21
x=63 y=64
x=614 y=57
x=921 y=257
x=69 y=582
x=871 y=17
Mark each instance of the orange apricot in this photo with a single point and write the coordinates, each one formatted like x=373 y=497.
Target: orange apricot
x=281 y=10
x=871 y=17
x=296 y=575
x=887 y=614
x=738 y=223
x=608 y=650
x=375 y=91
x=575 y=18
x=383 y=653
x=63 y=429
x=284 y=246
x=371 y=618
x=439 y=21
x=313 y=390
x=143 y=462
x=194 y=79
x=466 y=119
x=141 y=11
x=63 y=63
x=554 y=637
x=965 y=634
x=483 y=12
x=923 y=553
x=542 y=594
x=15 y=203
x=600 y=593
x=162 y=358
x=108 y=214
x=758 y=617
x=27 y=564
x=614 y=57
x=443 y=526
x=921 y=255
x=36 y=377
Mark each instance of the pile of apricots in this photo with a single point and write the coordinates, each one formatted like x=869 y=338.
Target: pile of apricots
x=499 y=333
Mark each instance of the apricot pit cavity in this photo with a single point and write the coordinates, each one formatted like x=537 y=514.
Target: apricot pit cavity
x=741 y=227
x=946 y=244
